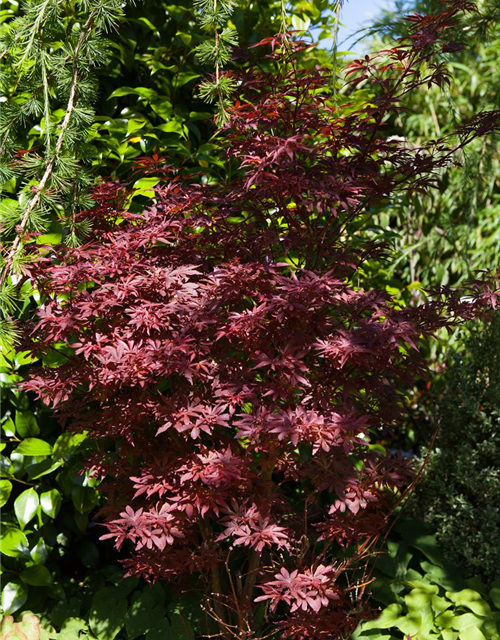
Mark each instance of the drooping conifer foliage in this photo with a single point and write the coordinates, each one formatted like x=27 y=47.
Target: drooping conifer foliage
x=49 y=53
x=230 y=364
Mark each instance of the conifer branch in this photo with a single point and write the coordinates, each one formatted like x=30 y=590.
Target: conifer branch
x=86 y=29
x=34 y=30
x=214 y=15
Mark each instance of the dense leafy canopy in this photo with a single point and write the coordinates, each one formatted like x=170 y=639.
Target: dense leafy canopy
x=219 y=340
x=226 y=381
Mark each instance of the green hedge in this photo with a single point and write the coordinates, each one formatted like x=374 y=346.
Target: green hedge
x=460 y=492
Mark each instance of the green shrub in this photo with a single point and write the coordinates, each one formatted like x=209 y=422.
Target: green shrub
x=424 y=596
x=460 y=492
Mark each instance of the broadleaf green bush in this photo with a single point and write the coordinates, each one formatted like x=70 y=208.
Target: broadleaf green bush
x=424 y=596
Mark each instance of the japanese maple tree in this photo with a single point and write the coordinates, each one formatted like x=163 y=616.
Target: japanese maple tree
x=230 y=363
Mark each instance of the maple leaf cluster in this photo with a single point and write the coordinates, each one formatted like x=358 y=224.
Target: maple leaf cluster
x=231 y=368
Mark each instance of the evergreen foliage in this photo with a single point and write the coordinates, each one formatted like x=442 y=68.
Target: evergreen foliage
x=460 y=493
x=213 y=16
x=48 y=54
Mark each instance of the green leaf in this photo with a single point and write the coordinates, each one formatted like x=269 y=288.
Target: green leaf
x=39 y=552
x=145 y=187
x=25 y=506
x=445 y=619
x=495 y=597
x=13 y=543
x=36 y=575
x=142 y=616
x=72 y=628
x=180 y=627
x=471 y=633
x=9 y=428
x=6 y=467
x=185 y=37
x=34 y=447
x=301 y=23
x=107 y=614
x=465 y=621
x=420 y=615
x=49 y=238
x=430 y=589
x=5 y=489
x=159 y=631
x=149 y=24
x=13 y=597
x=50 y=501
x=447 y=576
x=174 y=126
x=144 y=92
x=89 y=554
x=471 y=600
x=43 y=468
x=135 y=125
x=26 y=424
x=439 y=604
x=184 y=77
x=389 y=617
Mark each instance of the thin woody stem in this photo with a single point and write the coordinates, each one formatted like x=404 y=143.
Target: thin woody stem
x=216 y=582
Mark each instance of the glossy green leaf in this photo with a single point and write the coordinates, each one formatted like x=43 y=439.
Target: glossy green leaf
x=159 y=630
x=25 y=506
x=43 y=468
x=301 y=23
x=180 y=627
x=14 y=596
x=184 y=77
x=49 y=238
x=13 y=542
x=39 y=552
x=440 y=604
x=5 y=489
x=34 y=447
x=412 y=625
x=6 y=467
x=445 y=620
x=9 y=428
x=50 y=502
x=26 y=424
x=36 y=575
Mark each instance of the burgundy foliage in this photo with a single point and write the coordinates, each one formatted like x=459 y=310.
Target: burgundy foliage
x=227 y=359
